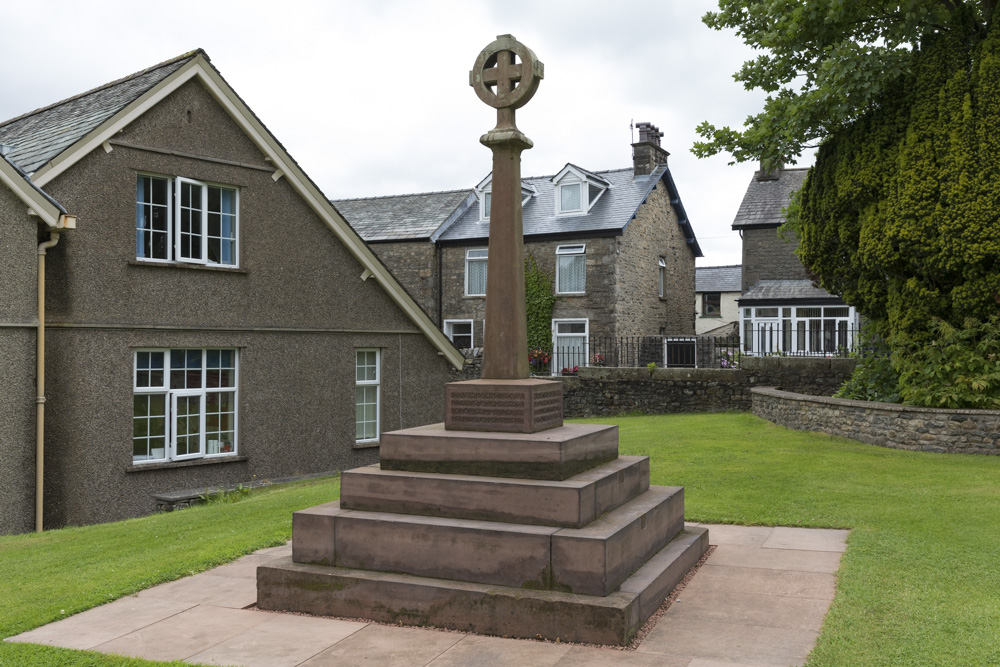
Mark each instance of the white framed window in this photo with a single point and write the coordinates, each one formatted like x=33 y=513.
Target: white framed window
x=367 y=387
x=801 y=330
x=475 y=271
x=485 y=204
x=459 y=332
x=184 y=404
x=662 y=273
x=569 y=344
x=183 y=220
x=571 y=269
x=570 y=198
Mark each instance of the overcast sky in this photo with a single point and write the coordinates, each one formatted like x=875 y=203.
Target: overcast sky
x=372 y=98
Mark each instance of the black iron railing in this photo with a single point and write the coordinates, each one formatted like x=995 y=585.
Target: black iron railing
x=836 y=340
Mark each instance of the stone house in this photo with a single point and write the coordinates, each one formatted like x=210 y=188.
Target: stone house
x=617 y=243
x=210 y=318
x=717 y=291
x=781 y=309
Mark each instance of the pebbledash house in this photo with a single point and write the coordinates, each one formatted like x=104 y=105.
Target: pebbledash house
x=781 y=310
x=618 y=244
x=204 y=314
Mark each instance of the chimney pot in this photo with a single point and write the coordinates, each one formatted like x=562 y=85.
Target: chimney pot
x=647 y=153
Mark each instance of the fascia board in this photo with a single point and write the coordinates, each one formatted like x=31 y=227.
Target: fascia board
x=42 y=207
x=282 y=161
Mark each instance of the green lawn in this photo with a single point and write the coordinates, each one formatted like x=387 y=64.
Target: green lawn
x=49 y=576
x=919 y=584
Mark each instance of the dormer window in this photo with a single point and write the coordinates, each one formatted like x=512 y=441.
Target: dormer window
x=484 y=191
x=569 y=198
x=577 y=190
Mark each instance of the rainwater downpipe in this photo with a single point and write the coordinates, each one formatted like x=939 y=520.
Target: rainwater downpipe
x=40 y=382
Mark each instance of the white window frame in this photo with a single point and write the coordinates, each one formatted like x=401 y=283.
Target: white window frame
x=485 y=204
x=583 y=198
x=557 y=364
x=174 y=185
x=574 y=250
x=780 y=333
x=449 y=331
x=170 y=401
x=377 y=383
x=481 y=255
x=662 y=273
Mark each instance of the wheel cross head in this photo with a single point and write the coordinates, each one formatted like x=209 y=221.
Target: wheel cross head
x=506 y=73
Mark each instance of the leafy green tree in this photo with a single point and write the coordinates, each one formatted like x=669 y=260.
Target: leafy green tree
x=824 y=63
x=539 y=300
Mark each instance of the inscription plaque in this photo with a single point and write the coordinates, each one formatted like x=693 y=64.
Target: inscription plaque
x=508 y=406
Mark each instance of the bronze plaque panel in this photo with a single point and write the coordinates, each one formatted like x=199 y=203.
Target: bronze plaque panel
x=505 y=406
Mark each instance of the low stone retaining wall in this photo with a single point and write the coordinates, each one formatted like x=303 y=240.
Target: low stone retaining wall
x=883 y=424
x=613 y=391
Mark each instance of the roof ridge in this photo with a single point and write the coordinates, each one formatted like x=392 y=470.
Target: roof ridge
x=722 y=266
x=409 y=194
x=189 y=54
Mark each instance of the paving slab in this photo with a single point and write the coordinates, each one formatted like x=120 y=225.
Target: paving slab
x=776 y=559
x=728 y=578
x=387 y=646
x=758 y=600
x=497 y=652
x=807 y=539
x=207 y=588
x=758 y=609
x=181 y=636
x=102 y=624
x=282 y=640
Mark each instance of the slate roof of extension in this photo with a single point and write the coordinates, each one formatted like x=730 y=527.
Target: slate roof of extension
x=412 y=216
x=718 y=278
x=401 y=217
x=764 y=200
x=41 y=135
x=786 y=290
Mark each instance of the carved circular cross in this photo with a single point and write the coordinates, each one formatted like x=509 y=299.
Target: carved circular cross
x=506 y=73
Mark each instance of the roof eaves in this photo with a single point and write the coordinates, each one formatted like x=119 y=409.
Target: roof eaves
x=37 y=200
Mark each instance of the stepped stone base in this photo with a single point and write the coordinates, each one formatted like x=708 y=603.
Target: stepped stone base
x=557 y=453
x=482 y=608
x=571 y=503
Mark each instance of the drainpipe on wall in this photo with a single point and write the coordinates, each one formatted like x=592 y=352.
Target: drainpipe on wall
x=65 y=222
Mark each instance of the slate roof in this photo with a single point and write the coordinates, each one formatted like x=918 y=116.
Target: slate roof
x=718 y=278
x=401 y=217
x=786 y=290
x=31 y=184
x=764 y=200
x=41 y=135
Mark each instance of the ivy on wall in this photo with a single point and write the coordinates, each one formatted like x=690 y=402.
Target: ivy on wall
x=539 y=299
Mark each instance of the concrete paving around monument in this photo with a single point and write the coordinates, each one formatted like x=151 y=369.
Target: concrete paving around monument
x=759 y=599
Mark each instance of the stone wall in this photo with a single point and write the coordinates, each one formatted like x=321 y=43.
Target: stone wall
x=654 y=233
x=414 y=265
x=612 y=391
x=767 y=256
x=884 y=424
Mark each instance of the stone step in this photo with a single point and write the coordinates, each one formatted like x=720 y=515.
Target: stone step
x=596 y=559
x=592 y=560
x=573 y=502
x=480 y=608
x=558 y=453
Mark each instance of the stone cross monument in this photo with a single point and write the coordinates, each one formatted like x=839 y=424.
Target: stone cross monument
x=505 y=76
x=505 y=521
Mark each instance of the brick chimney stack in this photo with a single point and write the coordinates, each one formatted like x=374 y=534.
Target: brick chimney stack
x=646 y=153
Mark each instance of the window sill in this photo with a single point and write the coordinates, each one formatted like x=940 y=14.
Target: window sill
x=141 y=467
x=571 y=294
x=474 y=296
x=366 y=445
x=710 y=317
x=188 y=265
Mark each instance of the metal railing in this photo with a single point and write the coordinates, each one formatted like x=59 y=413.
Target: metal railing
x=823 y=340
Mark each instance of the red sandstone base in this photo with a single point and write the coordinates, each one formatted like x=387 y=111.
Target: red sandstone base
x=503 y=406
